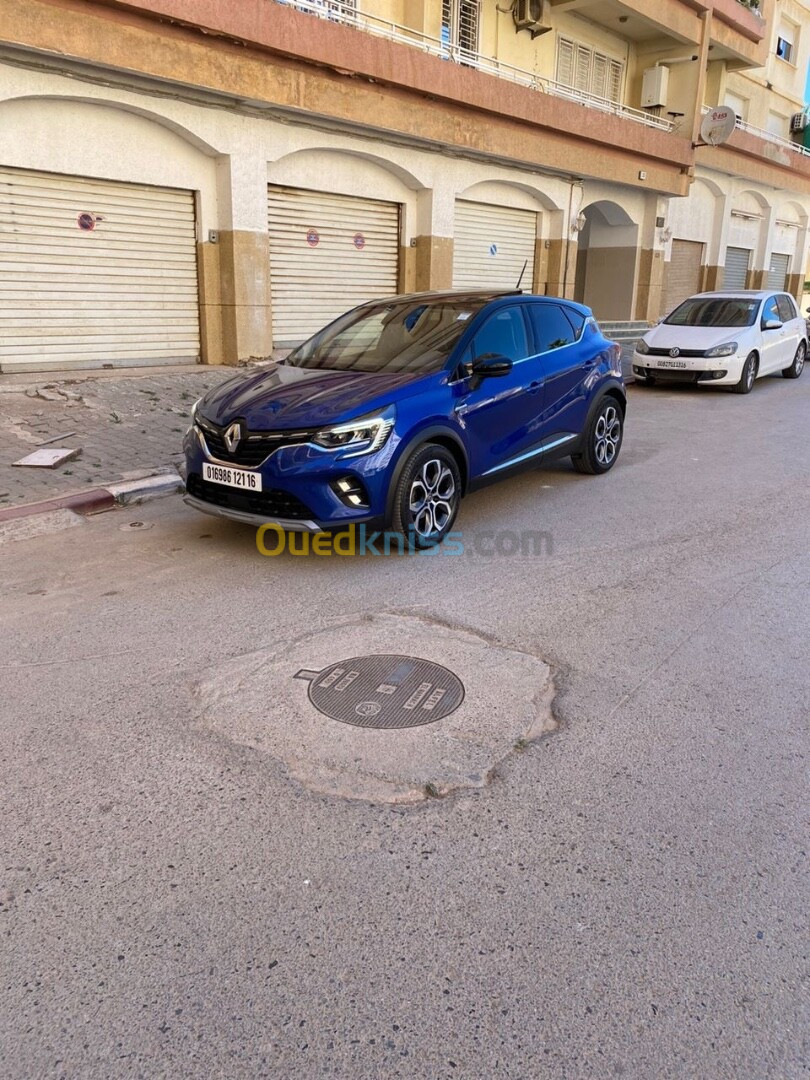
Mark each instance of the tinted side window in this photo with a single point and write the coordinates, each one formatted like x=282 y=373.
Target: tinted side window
x=577 y=321
x=786 y=310
x=504 y=333
x=770 y=311
x=552 y=328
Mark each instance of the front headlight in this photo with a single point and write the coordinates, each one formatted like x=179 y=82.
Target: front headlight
x=721 y=350
x=363 y=436
x=642 y=347
x=194 y=410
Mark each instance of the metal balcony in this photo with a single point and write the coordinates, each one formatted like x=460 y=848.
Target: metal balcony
x=345 y=12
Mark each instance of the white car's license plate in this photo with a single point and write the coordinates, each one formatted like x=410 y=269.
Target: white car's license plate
x=672 y=363
x=235 y=478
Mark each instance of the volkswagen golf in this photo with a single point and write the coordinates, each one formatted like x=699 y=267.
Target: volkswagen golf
x=400 y=407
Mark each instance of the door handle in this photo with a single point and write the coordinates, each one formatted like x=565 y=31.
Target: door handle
x=535 y=386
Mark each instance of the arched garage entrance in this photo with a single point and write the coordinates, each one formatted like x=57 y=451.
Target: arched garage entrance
x=606 y=260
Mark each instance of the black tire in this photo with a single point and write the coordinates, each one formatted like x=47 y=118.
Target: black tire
x=797 y=367
x=427 y=496
x=747 y=375
x=603 y=439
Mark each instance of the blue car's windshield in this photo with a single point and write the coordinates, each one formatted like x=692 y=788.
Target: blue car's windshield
x=402 y=336
x=717 y=311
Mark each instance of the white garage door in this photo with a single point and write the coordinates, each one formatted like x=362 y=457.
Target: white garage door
x=490 y=246
x=682 y=272
x=95 y=273
x=328 y=253
x=778 y=272
x=736 y=272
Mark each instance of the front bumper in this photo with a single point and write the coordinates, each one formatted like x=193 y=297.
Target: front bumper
x=722 y=371
x=246 y=518
x=300 y=488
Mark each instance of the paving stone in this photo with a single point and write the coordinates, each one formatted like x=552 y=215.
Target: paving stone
x=122 y=424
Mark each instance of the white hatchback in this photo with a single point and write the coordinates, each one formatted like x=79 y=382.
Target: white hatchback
x=725 y=338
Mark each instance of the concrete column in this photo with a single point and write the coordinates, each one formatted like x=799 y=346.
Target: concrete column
x=714 y=270
x=435 y=212
x=560 y=257
x=650 y=272
x=796 y=280
x=243 y=260
x=758 y=273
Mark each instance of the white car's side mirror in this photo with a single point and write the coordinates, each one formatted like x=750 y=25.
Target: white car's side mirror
x=772 y=324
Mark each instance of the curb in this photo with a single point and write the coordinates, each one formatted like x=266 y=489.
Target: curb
x=97 y=500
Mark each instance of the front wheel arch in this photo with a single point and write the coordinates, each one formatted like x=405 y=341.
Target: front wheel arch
x=445 y=438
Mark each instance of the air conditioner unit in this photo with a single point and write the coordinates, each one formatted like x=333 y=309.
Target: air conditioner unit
x=531 y=15
x=799 y=121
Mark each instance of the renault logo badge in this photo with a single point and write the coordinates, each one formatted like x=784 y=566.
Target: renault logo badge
x=672 y=352
x=232 y=437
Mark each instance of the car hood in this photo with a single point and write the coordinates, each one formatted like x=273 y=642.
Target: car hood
x=665 y=336
x=285 y=398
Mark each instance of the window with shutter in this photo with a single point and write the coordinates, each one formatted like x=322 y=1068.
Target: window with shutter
x=588 y=71
x=599 y=80
x=565 y=62
x=582 y=80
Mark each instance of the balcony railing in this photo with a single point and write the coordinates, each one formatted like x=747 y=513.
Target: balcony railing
x=342 y=11
x=763 y=133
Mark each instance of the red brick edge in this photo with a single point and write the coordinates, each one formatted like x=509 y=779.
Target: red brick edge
x=85 y=502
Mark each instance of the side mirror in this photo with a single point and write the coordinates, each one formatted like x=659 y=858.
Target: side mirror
x=772 y=324
x=491 y=365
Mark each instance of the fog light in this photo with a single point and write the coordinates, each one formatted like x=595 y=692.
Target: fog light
x=351 y=492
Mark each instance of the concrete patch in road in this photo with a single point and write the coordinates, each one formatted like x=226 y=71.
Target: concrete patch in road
x=26 y=528
x=257 y=700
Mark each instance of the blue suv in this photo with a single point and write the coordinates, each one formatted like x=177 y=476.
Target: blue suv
x=397 y=409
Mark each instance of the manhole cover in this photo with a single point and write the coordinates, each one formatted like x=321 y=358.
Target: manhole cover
x=385 y=691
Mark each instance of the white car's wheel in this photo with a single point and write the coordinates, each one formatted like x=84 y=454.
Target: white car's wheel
x=749 y=374
x=797 y=367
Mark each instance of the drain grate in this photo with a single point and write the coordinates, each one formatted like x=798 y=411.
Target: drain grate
x=384 y=691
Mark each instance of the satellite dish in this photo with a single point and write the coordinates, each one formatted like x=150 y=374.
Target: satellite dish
x=718 y=125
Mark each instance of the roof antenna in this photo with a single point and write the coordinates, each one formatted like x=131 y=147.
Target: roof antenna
x=522 y=272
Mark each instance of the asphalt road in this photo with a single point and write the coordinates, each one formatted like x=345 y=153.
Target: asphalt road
x=627 y=897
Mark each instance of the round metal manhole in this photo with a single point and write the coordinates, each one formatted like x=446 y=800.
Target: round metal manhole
x=385 y=691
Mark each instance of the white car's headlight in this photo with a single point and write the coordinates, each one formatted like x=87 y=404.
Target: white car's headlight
x=642 y=347
x=363 y=436
x=721 y=350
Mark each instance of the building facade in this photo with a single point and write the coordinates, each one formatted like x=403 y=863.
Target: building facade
x=215 y=179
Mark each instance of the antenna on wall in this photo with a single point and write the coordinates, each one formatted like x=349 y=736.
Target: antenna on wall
x=522 y=272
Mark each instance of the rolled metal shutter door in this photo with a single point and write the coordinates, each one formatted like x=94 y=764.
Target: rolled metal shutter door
x=736 y=271
x=683 y=272
x=328 y=253
x=95 y=273
x=778 y=272
x=490 y=246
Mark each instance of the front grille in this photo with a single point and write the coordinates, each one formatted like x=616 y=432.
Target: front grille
x=682 y=352
x=269 y=504
x=253 y=447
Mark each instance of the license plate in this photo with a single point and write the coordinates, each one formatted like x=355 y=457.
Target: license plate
x=235 y=478
x=672 y=363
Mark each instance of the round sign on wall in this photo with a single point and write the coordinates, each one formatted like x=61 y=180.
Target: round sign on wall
x=718 y=125
x=86 y=222
x=359 y=241
x=312 y=237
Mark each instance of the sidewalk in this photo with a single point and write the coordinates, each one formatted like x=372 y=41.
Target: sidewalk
x=126 y=425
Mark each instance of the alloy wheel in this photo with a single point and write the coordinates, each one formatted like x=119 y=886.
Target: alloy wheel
x=608 y=433
x=432 y=498
x=798 y=363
